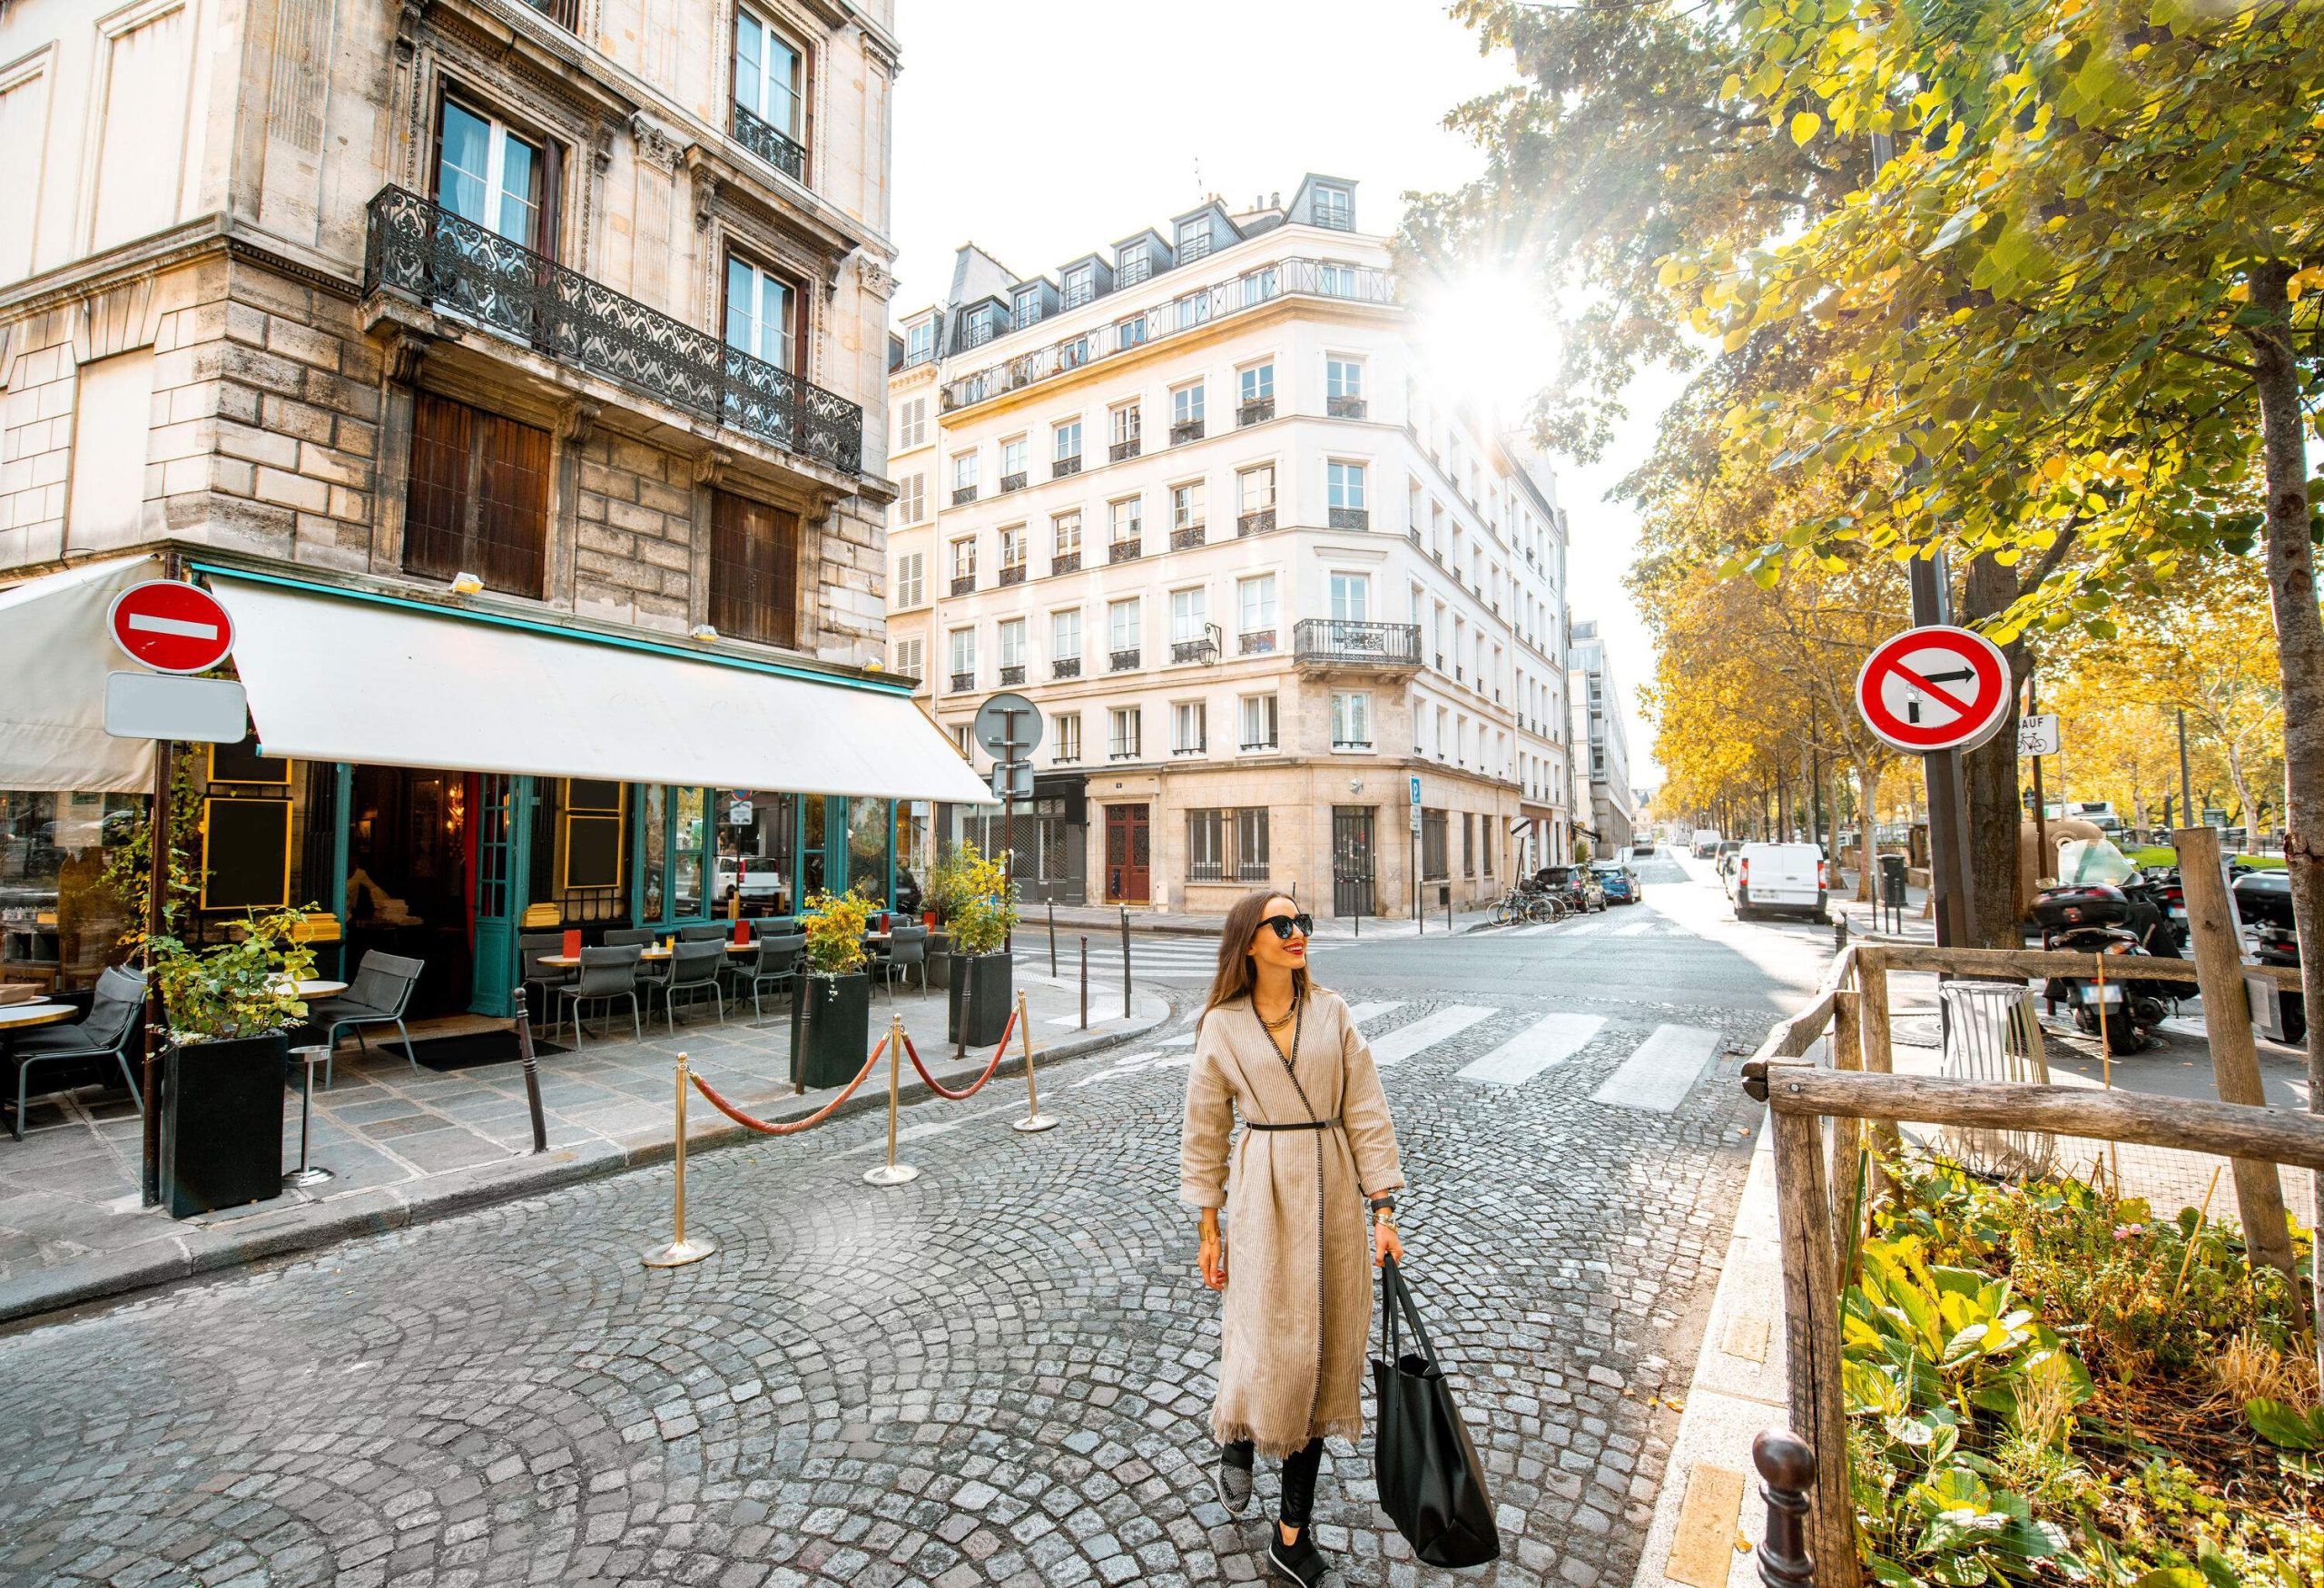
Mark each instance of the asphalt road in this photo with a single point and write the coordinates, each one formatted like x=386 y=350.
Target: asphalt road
x=997 y=1373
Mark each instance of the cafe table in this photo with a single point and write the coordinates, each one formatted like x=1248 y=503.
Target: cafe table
x=17 y=1016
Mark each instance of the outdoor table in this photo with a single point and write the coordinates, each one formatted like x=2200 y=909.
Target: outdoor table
x=317 y=987
x=567 y=961
x=20 y=1016
x=308 y=1174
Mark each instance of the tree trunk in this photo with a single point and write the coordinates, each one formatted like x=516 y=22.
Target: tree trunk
x=1990 y=774
x=1868 y=799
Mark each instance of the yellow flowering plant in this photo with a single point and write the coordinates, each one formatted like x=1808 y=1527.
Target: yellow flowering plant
x=835 y=924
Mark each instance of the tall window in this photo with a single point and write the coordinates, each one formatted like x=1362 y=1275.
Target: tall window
x=1193 y=310
x=768 y=76
x=1011 y=633
x=1065 y=635
x=1189 y=614
x=1068 y=749
x=1080 y=285
x=1122 y=624
x=1468 y=843
x=1185 y=406
x=920 y=342
x=1254 y=489
x=1065 y=534
x=1258 y=722
x=1012 y=547
x=1125 y=733
x=1255 y=604
x=1012 y=458
x=762 y=313
x=1189 y=728
x=1127 y=517
x=1343 y=379
x=912 y=657
x=1065 y=442
x=911 y=498
x=911 y=578
x=1351 y=719
x=1228 y=846
x=1186 y=506
x=1351 y=597
x=964 y=557
x=1029 y=307
x=963 y=642
x=1125 y=425
x=1130 y=332
x=911 y=423
x=490 y=175
x=1133 y=264
x=964 y=473
x=1345 y=485
x=1333 y=207
x=1432 y=861
x=479 y=498
x=1193 y=238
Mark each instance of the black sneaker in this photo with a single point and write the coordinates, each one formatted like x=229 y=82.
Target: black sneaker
x=1232 y=1478
x=1302 y=1562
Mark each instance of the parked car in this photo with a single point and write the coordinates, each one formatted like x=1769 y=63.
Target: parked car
x=1724 y=853
x=1618 y=883
x=1706 y=843
x=1787 y=878
x=1573 y=883
x=1643 y=847
x=754 y=877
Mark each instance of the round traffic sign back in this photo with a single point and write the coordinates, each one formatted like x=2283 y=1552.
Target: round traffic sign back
x=170 y=627
x=1934 y=688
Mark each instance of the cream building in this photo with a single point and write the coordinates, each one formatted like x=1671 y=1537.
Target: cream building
x=1193 y=493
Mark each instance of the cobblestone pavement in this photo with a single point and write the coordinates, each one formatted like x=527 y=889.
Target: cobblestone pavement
x=997 y=1373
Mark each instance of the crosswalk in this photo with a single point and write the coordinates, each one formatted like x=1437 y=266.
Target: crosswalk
x=1606 y=925
x=1655 y=1070
x=1153 y=957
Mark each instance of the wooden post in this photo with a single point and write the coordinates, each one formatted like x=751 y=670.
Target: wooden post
x=1812 y=1335
x=1877 y=1040
x=1848 y=1134
x=2227 y=1021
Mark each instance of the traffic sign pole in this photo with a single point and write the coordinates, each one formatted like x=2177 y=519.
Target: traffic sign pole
x=1950 y=886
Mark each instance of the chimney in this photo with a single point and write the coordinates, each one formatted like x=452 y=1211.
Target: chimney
x=1275 y=201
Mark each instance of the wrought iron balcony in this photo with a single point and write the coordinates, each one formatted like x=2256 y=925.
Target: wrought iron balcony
x=1345 y=407
x=1343 y=642
x=1194 y=650
x=1013 y=675
x=1122 y=451
x=1010 y=482
x=1256 y=645
x=1190 y=431
x=565 y=14
x=1350 y=518
x=1066 y=667
x=963 y=682
x=1014 y=574
x=1256 y=413
x=1258 y=523
x=964 y=584
x=1122 y=551
x=1188 y=538
x=1122 y=661
x=1065 y=562
x=962 y=495
x=1190 y=750
x=424 y=252
x=1065 y=466
x=772 y=145
x=1129 y=754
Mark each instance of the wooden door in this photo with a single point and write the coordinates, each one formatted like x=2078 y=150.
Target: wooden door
x=1128 y=855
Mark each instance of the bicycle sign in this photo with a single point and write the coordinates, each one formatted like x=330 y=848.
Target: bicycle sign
x=1934 y=688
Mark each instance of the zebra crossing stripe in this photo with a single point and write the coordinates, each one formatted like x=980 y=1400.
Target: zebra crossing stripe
x=1549 y=1041
x=1658 y=1076
x=1357 y=1013
x=1640 y=929
x=1428 y=1030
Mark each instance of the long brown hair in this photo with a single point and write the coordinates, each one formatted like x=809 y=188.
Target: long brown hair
x=1237 y=975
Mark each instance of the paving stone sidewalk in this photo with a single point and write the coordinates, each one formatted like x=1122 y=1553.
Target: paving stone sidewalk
x=405 y=1144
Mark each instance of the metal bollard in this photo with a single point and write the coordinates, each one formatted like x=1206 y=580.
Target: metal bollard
x=1787 y=1477
x=1839 y=932
x=1034 y=1120
x=1052 y=937
x=680 y=1251
x=1448 y=910
x=1085 y=980
x=1125 y=964
x=892 y=1173
x=532 y=1074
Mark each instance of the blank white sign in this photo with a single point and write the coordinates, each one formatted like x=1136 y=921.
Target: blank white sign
x=166 y=705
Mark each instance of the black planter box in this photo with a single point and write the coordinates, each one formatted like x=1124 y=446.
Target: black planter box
x=831 y=1024
x=985 y=983
x=222 y=1123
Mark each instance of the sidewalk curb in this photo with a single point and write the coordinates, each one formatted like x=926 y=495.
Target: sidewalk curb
x=190 y=1250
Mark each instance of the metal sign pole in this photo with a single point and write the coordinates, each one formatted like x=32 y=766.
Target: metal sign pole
x=1950 y=888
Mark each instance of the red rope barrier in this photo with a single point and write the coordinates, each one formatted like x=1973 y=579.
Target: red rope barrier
x=791 y=1128
x=940 y=1088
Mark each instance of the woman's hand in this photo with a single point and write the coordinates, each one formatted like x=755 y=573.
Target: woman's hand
x=1386 y=1244
x=1214 y=1251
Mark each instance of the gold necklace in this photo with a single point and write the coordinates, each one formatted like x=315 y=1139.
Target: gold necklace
x=1283 y=1019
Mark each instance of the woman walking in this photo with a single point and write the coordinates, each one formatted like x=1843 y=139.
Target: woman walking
x=1314 y=1171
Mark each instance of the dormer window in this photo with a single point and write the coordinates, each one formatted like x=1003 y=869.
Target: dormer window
x=1193 y=238
x=980 y=328
x=1028 y=306
x=1135 y=264
x=1333 y=208
x=1080 y=285
x=920 y=342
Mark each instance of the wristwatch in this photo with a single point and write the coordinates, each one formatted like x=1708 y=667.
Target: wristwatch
x=1385 y=1204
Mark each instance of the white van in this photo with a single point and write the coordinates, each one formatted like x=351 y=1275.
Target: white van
x=1789 y=878
x=1705 y=844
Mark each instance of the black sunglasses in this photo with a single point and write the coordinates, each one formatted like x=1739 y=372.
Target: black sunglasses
x=1285 y=926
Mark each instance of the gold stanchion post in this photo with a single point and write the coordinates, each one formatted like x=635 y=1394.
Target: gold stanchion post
x=1034 y=1118
x=892 y=1173
x=680 y=1251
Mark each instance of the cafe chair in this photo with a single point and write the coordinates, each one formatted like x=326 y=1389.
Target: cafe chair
x=533 y=947
x=378 y=996
x=907 y=948
x=694 y=966
x=618 y=936
x=106 y=1032
x=705 y=932
x=607 y=975
x=776 y=966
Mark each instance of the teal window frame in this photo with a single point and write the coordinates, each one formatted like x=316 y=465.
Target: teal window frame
x=669 y=917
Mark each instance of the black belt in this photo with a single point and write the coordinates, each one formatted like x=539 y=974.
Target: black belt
x=1303 y=1125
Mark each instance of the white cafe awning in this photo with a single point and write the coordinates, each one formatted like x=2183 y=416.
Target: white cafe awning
x=336 y=677
x=55 y=655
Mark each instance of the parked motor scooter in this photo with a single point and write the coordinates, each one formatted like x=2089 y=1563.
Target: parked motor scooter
x=2100 y=918
x=2263 y=899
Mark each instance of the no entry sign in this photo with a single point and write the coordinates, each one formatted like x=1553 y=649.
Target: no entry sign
x=170 y=627
x=1934 y=688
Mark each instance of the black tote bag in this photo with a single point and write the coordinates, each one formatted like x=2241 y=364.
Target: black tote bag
x=1430 y=1483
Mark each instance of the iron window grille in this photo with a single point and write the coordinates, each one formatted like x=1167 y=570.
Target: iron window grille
x=1065 y=466
x=1256 y=413
x=1066 y=563
x=1013 y=675
x=762 y=138
x=1014 y=574
x=1122 y=661
x=963 y=495
x=1258 y=523
x=1186 y=538
x=1350 y=518
x=964 y=584
x=1122 y=551
x=1010 y=482
x=1066 y=667
x=963 y=682
x=1185 y=431
x=1122 y=451
x=1347 y=640
x=1343 y=408
x=1256 y=645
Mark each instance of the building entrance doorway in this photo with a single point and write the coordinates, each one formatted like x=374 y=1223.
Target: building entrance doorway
x=1129 y=878
x=410 y=866
x=1351 y=865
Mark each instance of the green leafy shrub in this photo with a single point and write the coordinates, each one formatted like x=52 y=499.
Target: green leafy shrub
x=835 y=924
x=985 y=910
x=240 y=988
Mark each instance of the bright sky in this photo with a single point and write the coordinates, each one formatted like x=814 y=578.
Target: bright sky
x=1046 y=130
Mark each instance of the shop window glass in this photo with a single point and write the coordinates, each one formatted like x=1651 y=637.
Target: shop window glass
x=810 y=872
x=756 y=852
x=867 y=848
x=60 y=923
x=686 y=837
x=655 y=891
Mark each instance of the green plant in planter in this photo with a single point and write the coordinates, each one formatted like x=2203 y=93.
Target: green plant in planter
x=835 y=924
x=986 y=914
x=242 y=988
x=948 y=891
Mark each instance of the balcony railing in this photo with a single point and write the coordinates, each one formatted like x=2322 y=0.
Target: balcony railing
x=1122 y=551
x=1065 y=466
x=1256 y=645
x=1123 y=451
x=1346 y=408
x=565 y=14
x=1258 y=523
x=1122 y=661
x=1194 y=650
x=1188 y=538
x=425 y=252
x=963 y=682
x=1126 y=753
x=1344 y=642
x=771 y=143
x=1256 y=413
x=1065 y=562
x=1187 y=430
x=1012 y=674
x=1237 y=295
x=964 y=584
x=1350 y=518
x=962 y=495
x=1066 y=667
x=1010 y=482
x=1013 y=574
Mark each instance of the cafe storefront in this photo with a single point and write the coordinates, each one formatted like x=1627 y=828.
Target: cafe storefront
x=434 y=782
